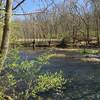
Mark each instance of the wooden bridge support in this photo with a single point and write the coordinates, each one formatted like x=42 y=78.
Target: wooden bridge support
x=33 y=44
x=49 y=42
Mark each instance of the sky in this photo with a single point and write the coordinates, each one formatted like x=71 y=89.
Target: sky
x=30 y=6
x=33 y=5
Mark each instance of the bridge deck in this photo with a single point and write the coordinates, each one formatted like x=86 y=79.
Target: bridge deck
x=38 y=40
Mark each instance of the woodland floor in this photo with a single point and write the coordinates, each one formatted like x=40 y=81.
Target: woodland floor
x=84 y=73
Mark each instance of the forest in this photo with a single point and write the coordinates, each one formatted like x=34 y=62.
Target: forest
x=49 y=49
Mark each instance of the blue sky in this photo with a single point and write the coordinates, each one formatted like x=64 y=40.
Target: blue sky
x=33 y=5
x=28 y=6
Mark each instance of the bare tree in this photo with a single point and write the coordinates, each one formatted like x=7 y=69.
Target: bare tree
x=7 y=28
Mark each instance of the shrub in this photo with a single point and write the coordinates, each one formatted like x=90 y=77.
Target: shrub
x=18 y=72
x=49 y=81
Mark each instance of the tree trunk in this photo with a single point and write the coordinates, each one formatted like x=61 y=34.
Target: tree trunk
x=97 y=31
x=88 y=35
x=6 y=29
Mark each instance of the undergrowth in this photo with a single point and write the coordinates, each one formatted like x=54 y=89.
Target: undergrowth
x=88 y=51
x=20 y=78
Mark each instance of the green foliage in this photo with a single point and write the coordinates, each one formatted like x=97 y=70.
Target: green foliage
x=1 y=98
x=1 y=5
x=13 y=38
x=88 y=51
x=17 y=69
x=49 y=81
x=12 y=58
x=5 y=82
x=25 y=69
x=45 y=57
x=16 y=31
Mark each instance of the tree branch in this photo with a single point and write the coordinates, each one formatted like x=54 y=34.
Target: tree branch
x=18 y=4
